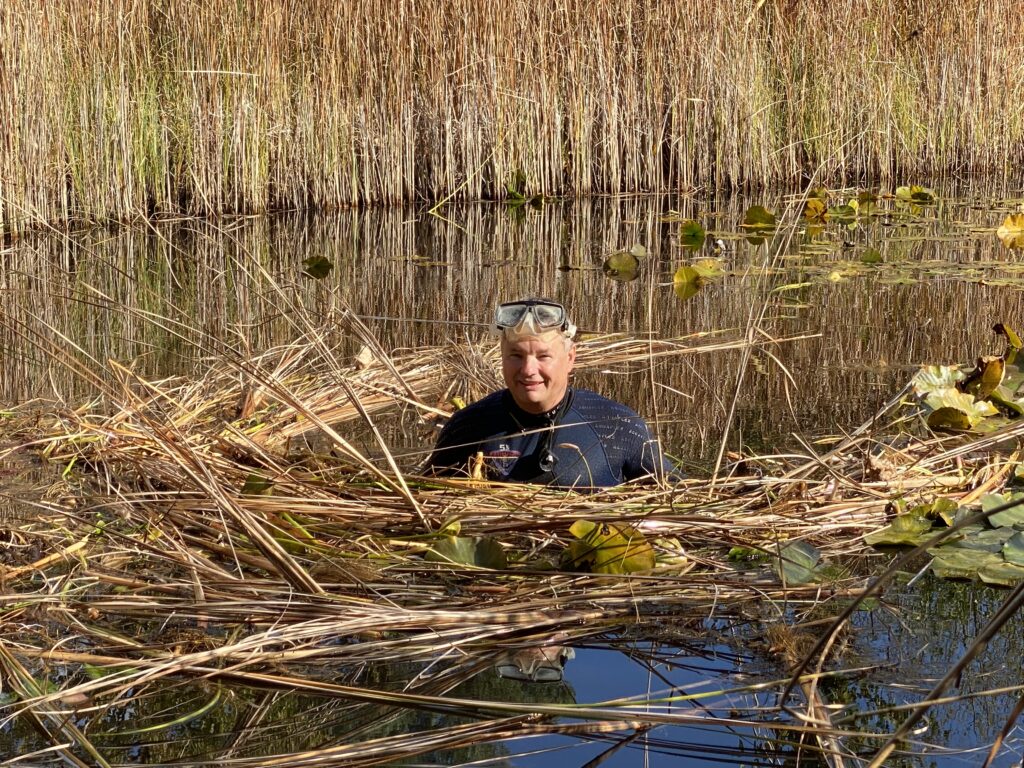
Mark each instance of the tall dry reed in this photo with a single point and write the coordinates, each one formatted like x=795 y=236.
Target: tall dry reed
x=141 y=107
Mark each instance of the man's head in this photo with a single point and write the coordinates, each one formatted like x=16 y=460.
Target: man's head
x=537 y=352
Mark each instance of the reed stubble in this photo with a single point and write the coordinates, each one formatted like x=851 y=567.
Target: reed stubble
x=138 y=108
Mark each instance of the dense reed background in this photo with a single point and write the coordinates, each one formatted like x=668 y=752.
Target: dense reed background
x=134 y=108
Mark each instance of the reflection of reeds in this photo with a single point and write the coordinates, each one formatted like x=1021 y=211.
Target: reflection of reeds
x=136 y=107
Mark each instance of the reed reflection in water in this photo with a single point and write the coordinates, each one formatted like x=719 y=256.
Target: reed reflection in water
x=172 y=299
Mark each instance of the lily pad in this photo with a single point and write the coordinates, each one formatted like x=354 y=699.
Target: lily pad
x=317 y=267
x=988 y=540
x=690 y=278
x=759 y=221
x=1011 y=233
x=624 y=266
x=1013 y=549
x=953 y=409
x=844 y=214
x=986 y=376
x=797 y=563
x=483 y=552
x=815 y=209
x=871 y=256
x=1008 y=517
x=608 y=548
x=691 y=234
x=915 y=194
x=1001 y=573
x=933 y=377
x=909 y=530
x=956 y=563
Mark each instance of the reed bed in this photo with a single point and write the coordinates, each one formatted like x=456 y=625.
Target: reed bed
x=143 y=108
x=231 y=529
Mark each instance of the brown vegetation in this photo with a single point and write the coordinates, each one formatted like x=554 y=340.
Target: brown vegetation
x=141 y=107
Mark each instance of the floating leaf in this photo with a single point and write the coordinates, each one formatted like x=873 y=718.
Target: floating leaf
x=986 y=376
x=608 y=548
x=946 y=402
x=1008 y=333
x=871 y=256
x=317 y=267
x=483 y=552
x=935 y=377
x=623 y=265
x=1008 y=517
x=940 y=509
x=691 y=234
x=797 y=563
x=1013 y=549
x=1011 y=233
x=954 y=563
x=815 y=208
x=905 y=530
x=985 y=540
x=1001 y=573
x=758 y=217
x=915 y=194
x=843 y=214
x=949 y=418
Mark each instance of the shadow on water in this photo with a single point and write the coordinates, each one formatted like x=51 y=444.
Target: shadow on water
x=943 y=279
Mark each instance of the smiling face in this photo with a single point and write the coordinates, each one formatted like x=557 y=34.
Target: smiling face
x=536 y=369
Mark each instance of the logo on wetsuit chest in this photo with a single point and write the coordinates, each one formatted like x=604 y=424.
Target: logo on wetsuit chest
x=501 y=459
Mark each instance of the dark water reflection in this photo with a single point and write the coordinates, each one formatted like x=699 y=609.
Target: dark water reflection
x=423 y=280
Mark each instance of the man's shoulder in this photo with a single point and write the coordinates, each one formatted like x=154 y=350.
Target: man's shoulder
x=488 y=407
x=592 y=405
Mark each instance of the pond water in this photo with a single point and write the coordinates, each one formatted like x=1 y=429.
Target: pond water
x=854 y=308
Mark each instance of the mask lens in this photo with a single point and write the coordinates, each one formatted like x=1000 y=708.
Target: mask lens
x=510 y=315
x=548 y=316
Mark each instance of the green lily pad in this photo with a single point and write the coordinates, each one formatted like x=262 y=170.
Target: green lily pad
x=690 y=278
x=608 y=548
x=1008 y=517
x=1013 y=549
x=956 y=563
x=797 y=563
x=758 y=217
x=935 y=377
x=317 y=267
x=815 y=208
x=1001 y=573
x=624 y=266
x=871 y=256
x=843 y=214
x=483 y=552
x=691 y=234
x=986 y=540
x=908 y=529
x=949 y=401
x=915 y=194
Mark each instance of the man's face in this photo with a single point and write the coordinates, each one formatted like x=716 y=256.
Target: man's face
x=536 y=370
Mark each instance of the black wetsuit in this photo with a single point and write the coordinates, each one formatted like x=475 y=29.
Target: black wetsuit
x=586 y=442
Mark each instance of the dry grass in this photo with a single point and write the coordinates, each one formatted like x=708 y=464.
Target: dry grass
x=156 y=562
x=135 y=108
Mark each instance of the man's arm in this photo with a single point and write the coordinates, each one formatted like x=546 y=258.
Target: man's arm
x=450 y=453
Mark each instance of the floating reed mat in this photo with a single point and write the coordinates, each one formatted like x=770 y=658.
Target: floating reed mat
x=227 y=529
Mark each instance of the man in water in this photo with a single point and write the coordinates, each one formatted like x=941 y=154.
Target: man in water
x=540 y=429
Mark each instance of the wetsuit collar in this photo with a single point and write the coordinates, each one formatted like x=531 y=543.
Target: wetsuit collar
x=527 y=419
